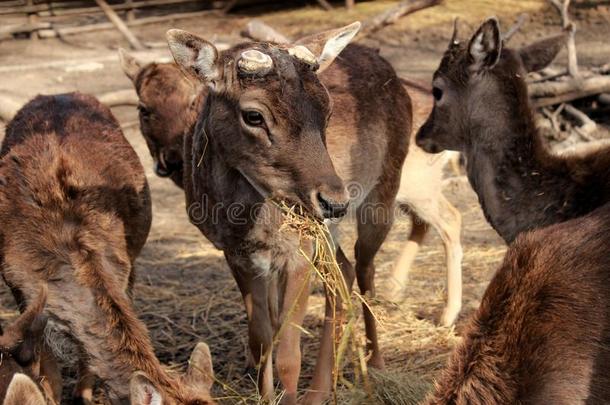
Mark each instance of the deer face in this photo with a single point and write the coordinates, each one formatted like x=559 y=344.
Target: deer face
x=193 y=388
x=267 y=112
x=168 y=106
x=480 y=85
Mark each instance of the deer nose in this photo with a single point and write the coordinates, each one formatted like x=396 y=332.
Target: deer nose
x=331 y=207
x=161 y=170
x=428 y=145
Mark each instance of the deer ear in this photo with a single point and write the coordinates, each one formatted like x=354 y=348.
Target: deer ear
x=23 y=391
x=142 y=391
x=486 y=45
x=540 y=54
x=130 y=65
x=200 y=369
x=196 y=57
x=326 y=46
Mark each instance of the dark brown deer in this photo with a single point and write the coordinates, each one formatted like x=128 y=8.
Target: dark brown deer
x=75 y=212
x=25 y=360
x=482 y=109
x=266 y=131
x=166 y=107
x=542 y=332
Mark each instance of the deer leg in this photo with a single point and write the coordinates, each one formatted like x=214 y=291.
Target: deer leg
x=51 y=383
x=255 y=290
x=402 y=266
x=448 y=223
x=322 y=382
x=246 y=294
x=85 y=380
x=374 y=222
x=294 y=308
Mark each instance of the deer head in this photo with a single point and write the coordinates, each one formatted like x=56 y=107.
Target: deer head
x=480 y=85
x=168 y=106
x=267 y=112
x=193 y=388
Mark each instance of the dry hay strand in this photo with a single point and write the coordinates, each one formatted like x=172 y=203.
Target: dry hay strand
x=389 y=388
x=348 y=345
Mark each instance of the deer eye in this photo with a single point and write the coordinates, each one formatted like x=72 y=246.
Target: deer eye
x=144 y=112
x=253 y=118
x=437 y=93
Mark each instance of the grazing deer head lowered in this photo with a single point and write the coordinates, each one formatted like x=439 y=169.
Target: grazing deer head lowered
x=267 y=113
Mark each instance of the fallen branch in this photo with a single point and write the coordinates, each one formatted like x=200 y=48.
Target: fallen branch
x=392 y=15
x=522 y=19
x=120 y=25
x=550 y=93
x=119 y=97
x=587 y=125
x=259 y=31
x=570 y=28
x=8 y=107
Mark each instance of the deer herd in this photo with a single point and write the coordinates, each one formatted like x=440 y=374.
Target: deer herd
x=307 y=122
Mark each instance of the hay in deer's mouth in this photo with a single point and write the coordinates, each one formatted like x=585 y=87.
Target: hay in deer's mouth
x=348 y=345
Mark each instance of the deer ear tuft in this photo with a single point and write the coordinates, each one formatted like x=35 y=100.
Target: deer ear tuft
x=142 y=391
x=23 y=391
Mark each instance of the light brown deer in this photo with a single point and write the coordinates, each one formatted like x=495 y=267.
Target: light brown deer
x=75 y=212
x=542 y=332
x=267 y=129
x=168 y=106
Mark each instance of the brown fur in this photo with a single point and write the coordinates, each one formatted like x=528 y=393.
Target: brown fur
x=365 y=141
x=75 y=199
x=542 y=332
x=22 y=352
x=485 y=113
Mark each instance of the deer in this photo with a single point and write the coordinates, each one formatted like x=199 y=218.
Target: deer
x=167 y=109
x=482 y=109
x=267 y=133
x=25 y=362
x=541 y=333
x=75 y=211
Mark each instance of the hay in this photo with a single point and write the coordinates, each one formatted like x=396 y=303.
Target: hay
x=389 y=388
x=324 y=265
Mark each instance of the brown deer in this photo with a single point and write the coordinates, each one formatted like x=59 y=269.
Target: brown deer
x=75 y=212
x=267 y=131
x=168 y=105
x=24 y=357
x=482 y=109
x=542 y=332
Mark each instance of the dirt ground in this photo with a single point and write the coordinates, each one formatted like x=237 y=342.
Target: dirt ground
x=185 y=292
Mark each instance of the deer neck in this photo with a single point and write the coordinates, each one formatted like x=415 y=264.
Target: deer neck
x=220 y=198
x=516 y=179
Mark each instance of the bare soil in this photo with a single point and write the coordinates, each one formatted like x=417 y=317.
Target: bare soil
x=185 y=292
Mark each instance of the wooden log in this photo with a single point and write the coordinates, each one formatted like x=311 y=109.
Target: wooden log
x=522 y=19
x=259 y=31
x=597 y=84
x=325 y=5
x=8 y=107
x=568 y=26
x=551 y=93
x=120 y=25
x=9 y=30
x=73 y=8
x=107 y=26
x=393 y=14
x=119 y=97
